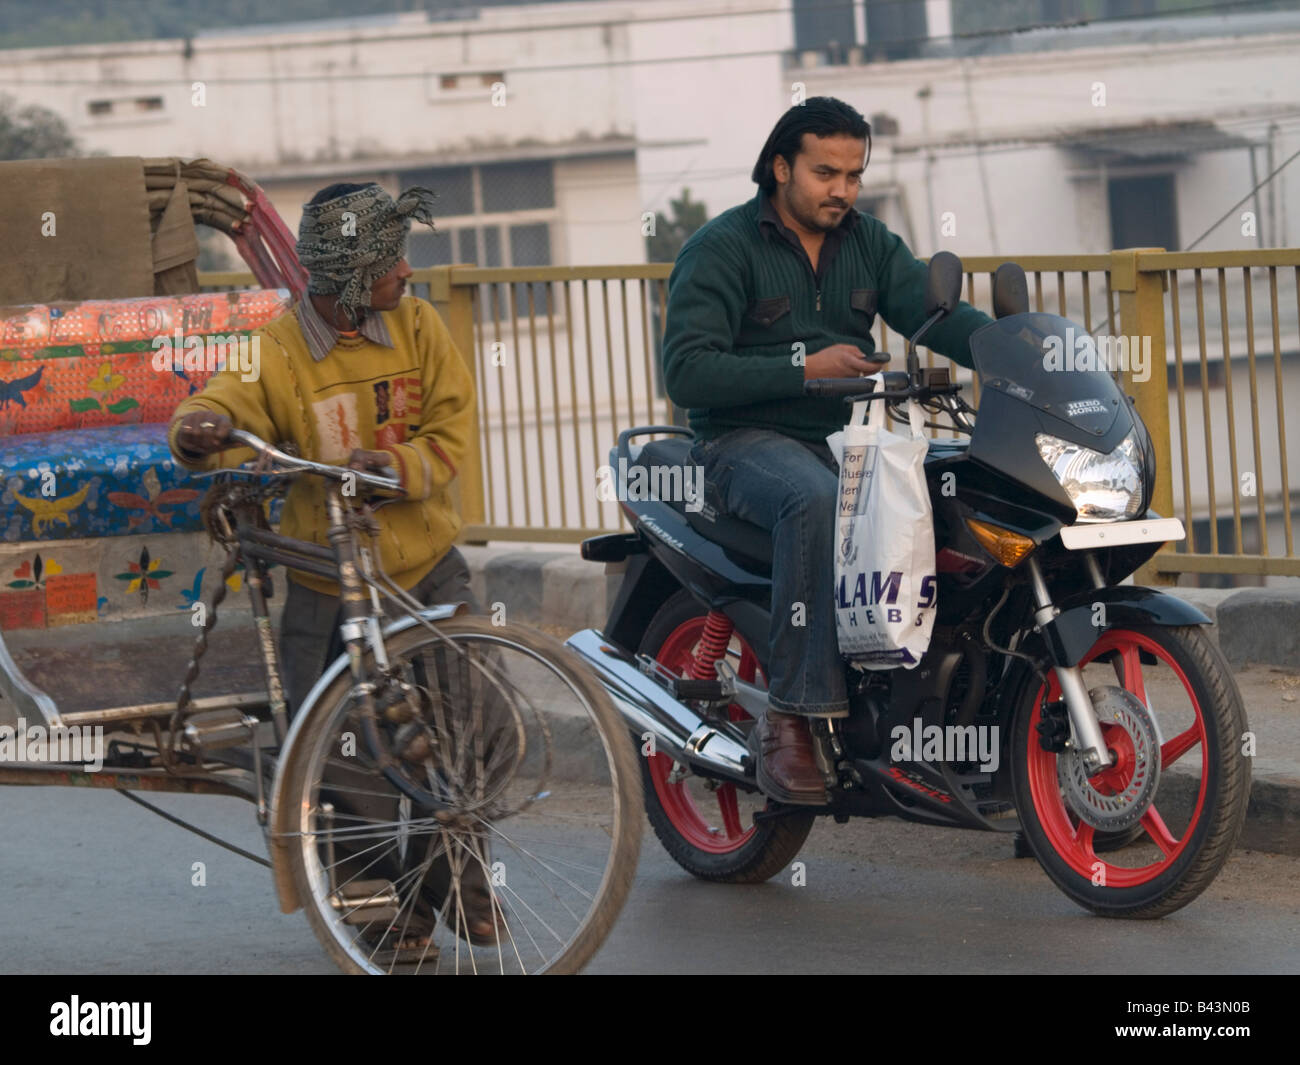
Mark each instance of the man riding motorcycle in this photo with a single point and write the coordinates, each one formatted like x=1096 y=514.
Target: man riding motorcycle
x=773 y=292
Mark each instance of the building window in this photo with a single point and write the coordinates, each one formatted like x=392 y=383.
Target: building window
x=896 y=29
x=518 y=186
x=429 y=249
x=447 y=81
x=494 y=215
x=819 y=24
x=124 y=106
x=491 y=246
x=453 y=185
x=530 y=245
x=467 y=246
x=1143 y=212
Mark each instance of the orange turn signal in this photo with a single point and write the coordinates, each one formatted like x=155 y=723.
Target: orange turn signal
x=1008 y=547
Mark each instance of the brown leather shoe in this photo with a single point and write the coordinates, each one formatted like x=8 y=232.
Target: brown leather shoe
x=787 y=770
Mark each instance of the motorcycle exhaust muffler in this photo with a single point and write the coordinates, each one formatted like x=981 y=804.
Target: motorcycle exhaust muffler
x=648 y=707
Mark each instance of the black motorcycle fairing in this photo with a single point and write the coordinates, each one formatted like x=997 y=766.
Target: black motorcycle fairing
x=1031 y=359
x=645 y=587
x=1024 y=393
x=678 y=556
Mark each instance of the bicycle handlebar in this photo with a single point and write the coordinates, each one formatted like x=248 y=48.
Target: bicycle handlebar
x=292 y=464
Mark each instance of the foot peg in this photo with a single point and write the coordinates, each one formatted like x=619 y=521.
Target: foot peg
x=686 y=689
x=367 y=901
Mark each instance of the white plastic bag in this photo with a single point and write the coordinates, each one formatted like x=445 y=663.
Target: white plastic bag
x=885 y=584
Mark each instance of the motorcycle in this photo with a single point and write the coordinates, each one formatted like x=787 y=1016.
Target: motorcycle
x=1093 y=721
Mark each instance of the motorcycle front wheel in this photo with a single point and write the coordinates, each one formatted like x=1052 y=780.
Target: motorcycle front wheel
x=1190 y=825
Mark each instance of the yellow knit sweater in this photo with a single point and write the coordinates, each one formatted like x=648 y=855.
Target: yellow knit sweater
x=415 y=400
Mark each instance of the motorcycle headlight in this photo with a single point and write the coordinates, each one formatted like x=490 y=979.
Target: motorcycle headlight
x=1101 y=487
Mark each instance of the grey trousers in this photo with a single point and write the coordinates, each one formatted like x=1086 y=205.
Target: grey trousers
x=309 y=629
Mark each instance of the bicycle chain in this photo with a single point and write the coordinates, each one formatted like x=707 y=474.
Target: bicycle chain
x=214 y=510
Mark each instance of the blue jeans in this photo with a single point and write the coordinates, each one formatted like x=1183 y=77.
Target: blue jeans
x=789 y=488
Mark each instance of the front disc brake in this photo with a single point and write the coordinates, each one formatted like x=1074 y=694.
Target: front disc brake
x=1118 y=796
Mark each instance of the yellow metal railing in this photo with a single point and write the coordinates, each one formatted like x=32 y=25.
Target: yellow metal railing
x=566 y=357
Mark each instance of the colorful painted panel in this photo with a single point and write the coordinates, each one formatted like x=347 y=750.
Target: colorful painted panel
x=112 y=481
x=95 y=363
x=93 y=482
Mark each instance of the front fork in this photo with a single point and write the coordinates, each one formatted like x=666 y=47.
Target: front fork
x=1085 y=731
x=358 y=624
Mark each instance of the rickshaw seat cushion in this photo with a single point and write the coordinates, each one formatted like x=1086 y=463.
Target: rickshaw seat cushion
x=109 y=481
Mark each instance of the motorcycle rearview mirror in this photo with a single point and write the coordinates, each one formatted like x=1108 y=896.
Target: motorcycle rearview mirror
x=1010 y=291
x=942 y=294
x=943 y=291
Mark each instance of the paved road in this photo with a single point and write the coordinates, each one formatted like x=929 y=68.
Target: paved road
x=95 y=884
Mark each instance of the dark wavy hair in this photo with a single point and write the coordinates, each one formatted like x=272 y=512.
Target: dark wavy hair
x=822 y=116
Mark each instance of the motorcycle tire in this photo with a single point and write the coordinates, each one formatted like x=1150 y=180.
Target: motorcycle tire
x=712 y=847
x=1195 y=816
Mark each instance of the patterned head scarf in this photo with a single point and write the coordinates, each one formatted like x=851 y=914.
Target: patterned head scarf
x=346 y=244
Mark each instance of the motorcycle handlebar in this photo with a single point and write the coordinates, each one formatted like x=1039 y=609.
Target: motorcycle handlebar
x=932 y=383
x=840 y=387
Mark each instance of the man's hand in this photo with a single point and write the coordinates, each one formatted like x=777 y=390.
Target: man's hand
x=370 y=461
x=839 y=360
x=203 y=432
x=377 y=462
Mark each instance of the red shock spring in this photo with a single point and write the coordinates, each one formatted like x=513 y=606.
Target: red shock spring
x=713 y=645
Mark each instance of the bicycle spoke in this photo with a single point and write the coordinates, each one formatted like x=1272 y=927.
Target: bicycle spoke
x=537 y=861
x=403 y=891
x=524 y=925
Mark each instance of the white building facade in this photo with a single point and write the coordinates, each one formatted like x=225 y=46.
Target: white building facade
x=580 y=117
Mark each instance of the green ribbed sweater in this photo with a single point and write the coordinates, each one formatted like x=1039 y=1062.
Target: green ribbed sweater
x=741 y=298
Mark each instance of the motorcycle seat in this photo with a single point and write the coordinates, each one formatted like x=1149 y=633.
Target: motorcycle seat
x=735 y=534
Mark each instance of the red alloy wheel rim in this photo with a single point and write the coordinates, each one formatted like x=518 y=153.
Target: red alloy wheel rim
x=724 y=834
x=1075 y=843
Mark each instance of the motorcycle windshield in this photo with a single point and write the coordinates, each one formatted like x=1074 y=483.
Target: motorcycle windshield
x=1054 y=366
